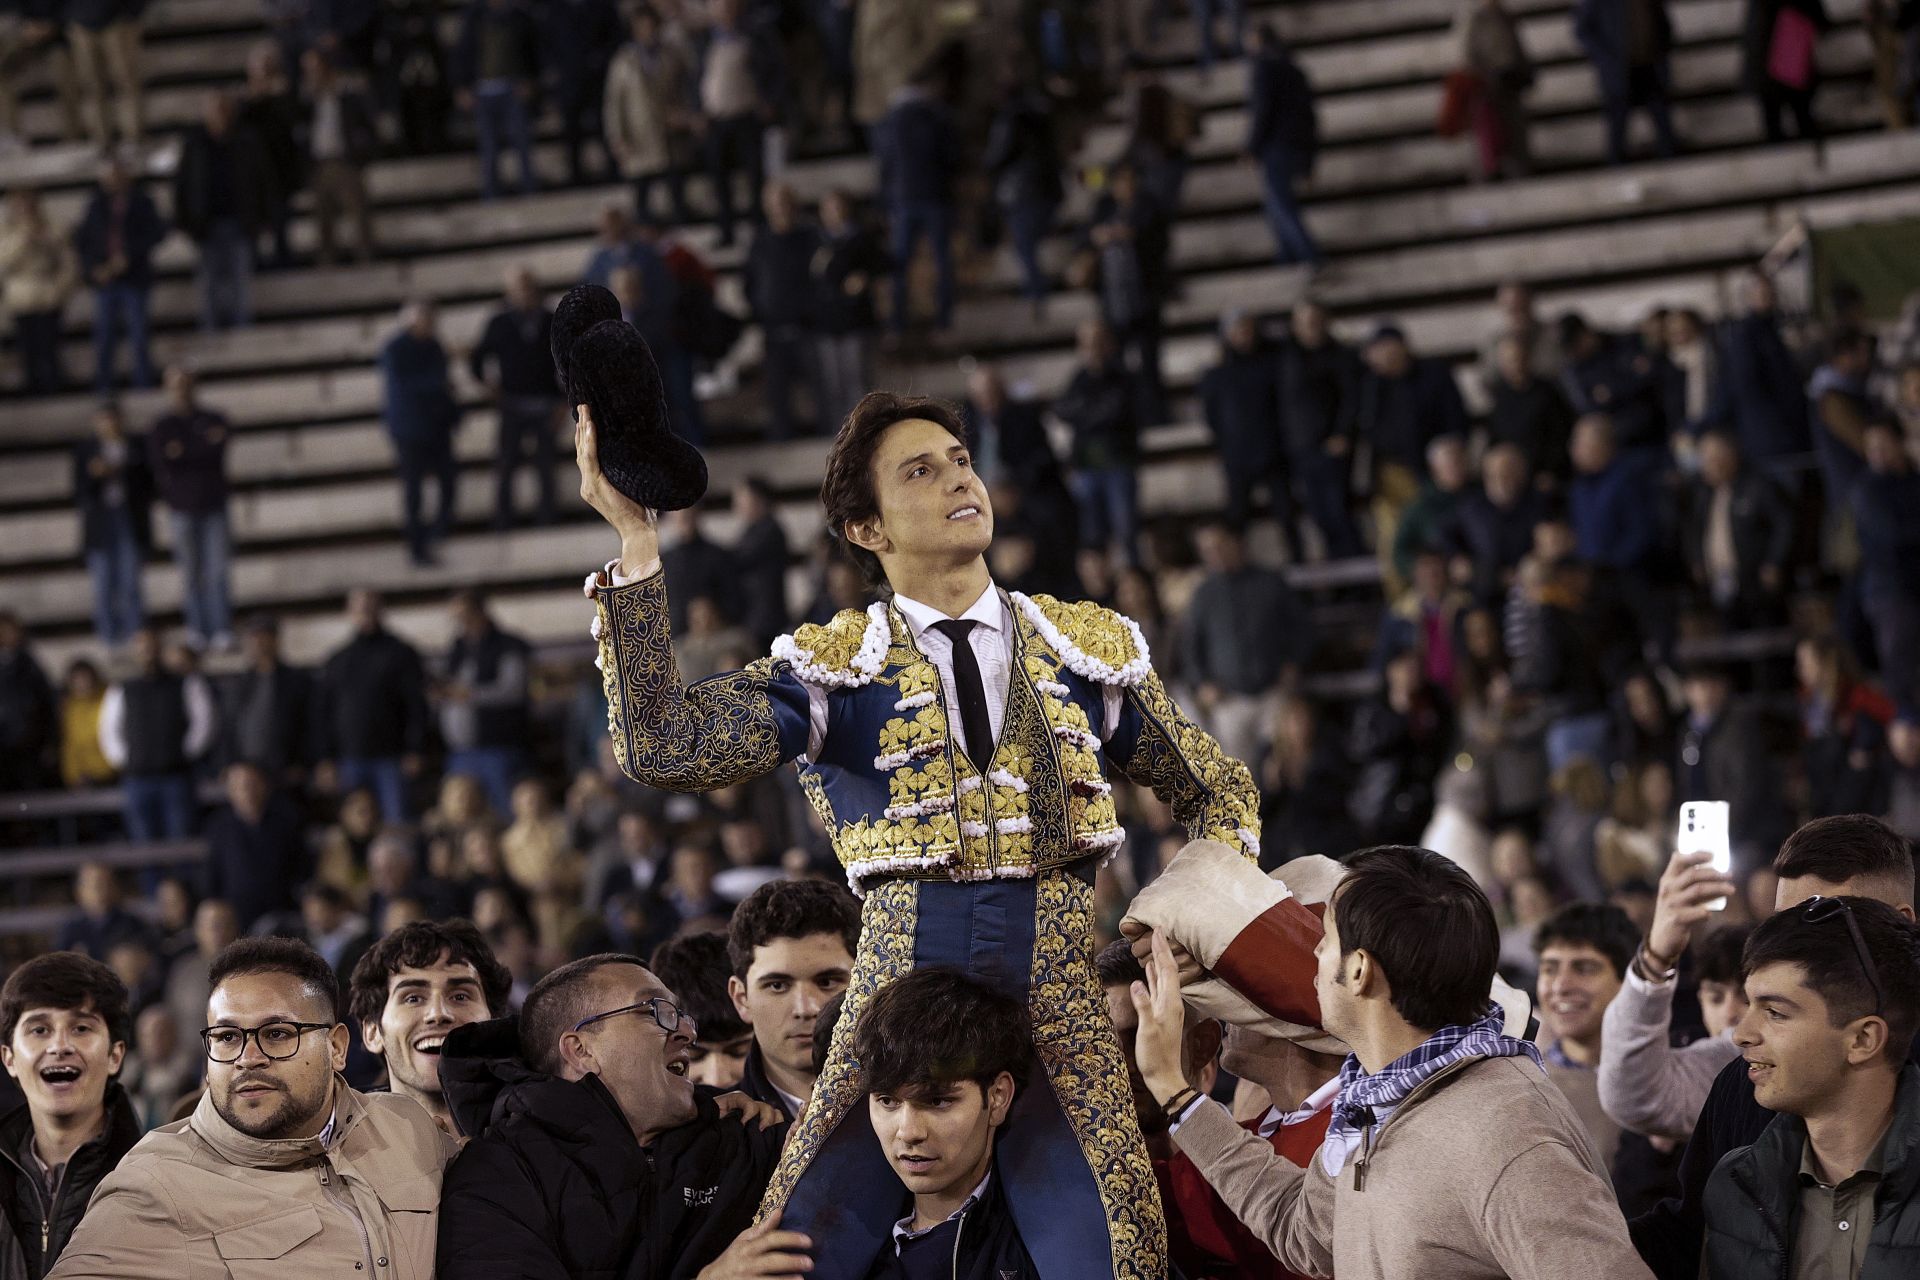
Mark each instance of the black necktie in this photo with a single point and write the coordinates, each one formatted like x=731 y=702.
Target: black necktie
x=973 y=692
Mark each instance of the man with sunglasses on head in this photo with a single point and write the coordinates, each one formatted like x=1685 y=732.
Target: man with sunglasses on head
x=1831 y=1191
x=592 y=1152
x=1850 y=855
x=282 y=1169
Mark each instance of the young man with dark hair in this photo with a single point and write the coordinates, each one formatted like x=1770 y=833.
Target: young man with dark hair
x=696 y=968
x=944 y=1056
x=414 y=987
x=64 y=1029
x=791 y=945
x=1850 y=855
x=590 y=1151
x=1450 y=1153
x=1832 y=1185
x=1582 y=951
x=957 y=742
x=281 y=1160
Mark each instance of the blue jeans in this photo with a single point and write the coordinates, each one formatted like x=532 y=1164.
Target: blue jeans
x=120 y=306
x=159 y=807
x=380 y=775
x=911 y=221
x=1109 y=499
x=500 y=116
x=1291 y=242
x=496 y=769
x=226 y=277
x=419 y=459
x=115 y=570
x=201 y=545
x=734 y=145
x=1028 y=222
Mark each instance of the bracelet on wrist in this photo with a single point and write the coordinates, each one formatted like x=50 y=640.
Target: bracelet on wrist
x=1179 y=1102
x=1653 y=966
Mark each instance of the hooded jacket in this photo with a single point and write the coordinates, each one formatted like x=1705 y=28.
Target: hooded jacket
x=33 y=1231
x=201 y=1199
x=552 y=1185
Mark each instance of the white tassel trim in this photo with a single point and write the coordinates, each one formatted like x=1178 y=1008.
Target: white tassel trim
x=1001 y=778
x=888 y=763
x=915 y=701
x=1053 y=688
x=1081 y=662
x=920 y=808
x=1248 y=841
x=858 y=875
x=1013 y=826
x=1109 y=839
x=969 y=785
x=866 y=663
x=1078 y=737
x=974 y=830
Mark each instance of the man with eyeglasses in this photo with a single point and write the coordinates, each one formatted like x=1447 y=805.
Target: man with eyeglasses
x=591 y=1152
x=1831 y=1191
x=1850 y=855
x=282 y=1169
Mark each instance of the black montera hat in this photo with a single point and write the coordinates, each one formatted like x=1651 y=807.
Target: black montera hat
x=603 y=363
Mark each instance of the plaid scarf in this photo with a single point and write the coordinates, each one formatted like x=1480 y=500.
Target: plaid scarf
x=1364 y=1097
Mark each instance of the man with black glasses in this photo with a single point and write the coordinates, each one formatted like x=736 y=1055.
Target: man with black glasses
x=1832 y=1187
x=282 y=1167
x=590 y=1150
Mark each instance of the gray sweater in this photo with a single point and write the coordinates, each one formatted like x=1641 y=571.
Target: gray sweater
x=1647 y=1085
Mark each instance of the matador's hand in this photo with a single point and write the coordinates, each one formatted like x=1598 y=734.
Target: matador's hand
x=639 y=539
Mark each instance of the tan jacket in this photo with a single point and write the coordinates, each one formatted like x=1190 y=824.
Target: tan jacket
x=638 y=112
x=38 y=270
x=199 y=1200
x=1484 y=1172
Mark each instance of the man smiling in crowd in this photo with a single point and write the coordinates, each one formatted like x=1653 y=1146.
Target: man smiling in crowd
x=1584 y=950
x=281 y=1160
x=791 y=944
x=63 y=1036
x=417 y=984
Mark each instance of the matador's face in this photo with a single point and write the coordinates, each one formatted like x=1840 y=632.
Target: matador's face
x=932 y=502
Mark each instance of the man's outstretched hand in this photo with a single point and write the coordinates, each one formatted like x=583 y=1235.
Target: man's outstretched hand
x=639 y=539
x=762 y=1253
x=1163 y=1022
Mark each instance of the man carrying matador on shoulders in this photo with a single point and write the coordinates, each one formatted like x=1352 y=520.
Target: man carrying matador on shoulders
x=956 y=741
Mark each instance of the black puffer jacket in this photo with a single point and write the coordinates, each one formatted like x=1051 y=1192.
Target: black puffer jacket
x=25 y=1252
x=553 y=1184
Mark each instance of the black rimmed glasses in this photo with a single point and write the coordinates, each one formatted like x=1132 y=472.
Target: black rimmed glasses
x=1818 y=909
x=278 y=1040
x=668 y=1021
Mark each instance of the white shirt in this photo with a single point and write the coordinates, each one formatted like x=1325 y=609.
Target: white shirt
x=903 y=1230
x=992 y=644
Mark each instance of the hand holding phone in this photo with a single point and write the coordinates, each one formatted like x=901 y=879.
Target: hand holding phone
x=1704 y=828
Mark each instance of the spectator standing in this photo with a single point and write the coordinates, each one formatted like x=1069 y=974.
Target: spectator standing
x=1840 y=407
x=1694 y=377
x=762 y=556
x=1493 y=52
x=421 y=415
x=104 y=38
x=113 y=487
x=1426 y=523
x=485 y=717
x=514 y=361
x=222 y=191
x=373 y=700
x=1010 y=446
x=413 y=66
x=38 y=276
x=1614 y=501
x=1493 y=527
x=496 y=70
x=777 y=282
x=1884 y=502
x=845 y=271
x=1283 y=137
x=1616 y=376
x=740 y=75
x=1629 y=42
x=116 y=239
x=1319 y=376
x=1843 y=730
x=187 y=450
x=256 y=847
x=270 y=715
x=1246 y=638
x=1739 y=536
x=1758 y=379
x=647 y=114
x=790 y=948
x=579 y=38
x=918 y=149
x=1529 y=412
x=1130 y=237
x=651 y=299
x=29 y=718
x=1240 y=397
x=1779 y=42
x=1583 y=951
x=1023 y=159
x=82 y=692
x=31 y=35
x=1404 y=403
x=153 y=726
x=698 y=567
x=1100 y=408
x=100 y=923
x=1723 y=756
x=339 y=142
x=269 y=113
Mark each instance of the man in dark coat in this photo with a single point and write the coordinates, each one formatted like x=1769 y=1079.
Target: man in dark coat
x=761 y=555
x=269 y=711
x=1739 y=536
x=918 y=149
x=496 y=65
x=1493 y=527
x=1319 y=376
x=777 y=281
x=1240 y=397
x=1617 y=376
x=1283 y=137
x=116 y=239
x=579 y=37
x=590 y=1152
x=514 y=361
x=1628 y=42
x=1100 y=407
x=256 y=847
x=1762 y=396
x=421 y=416
x=222 y=194
x=373 y=709
x=113 y=487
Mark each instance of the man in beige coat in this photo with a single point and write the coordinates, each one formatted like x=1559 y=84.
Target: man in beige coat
x=282 y=1170
x=1450 y=1153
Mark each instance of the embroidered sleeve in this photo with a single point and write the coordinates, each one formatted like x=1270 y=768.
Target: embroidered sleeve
x=712 y=734
x=1212 y=794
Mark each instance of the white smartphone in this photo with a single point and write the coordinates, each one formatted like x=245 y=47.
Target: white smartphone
x=1704 y=829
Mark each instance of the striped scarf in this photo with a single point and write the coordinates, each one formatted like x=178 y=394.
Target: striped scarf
x=1365 y=1099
